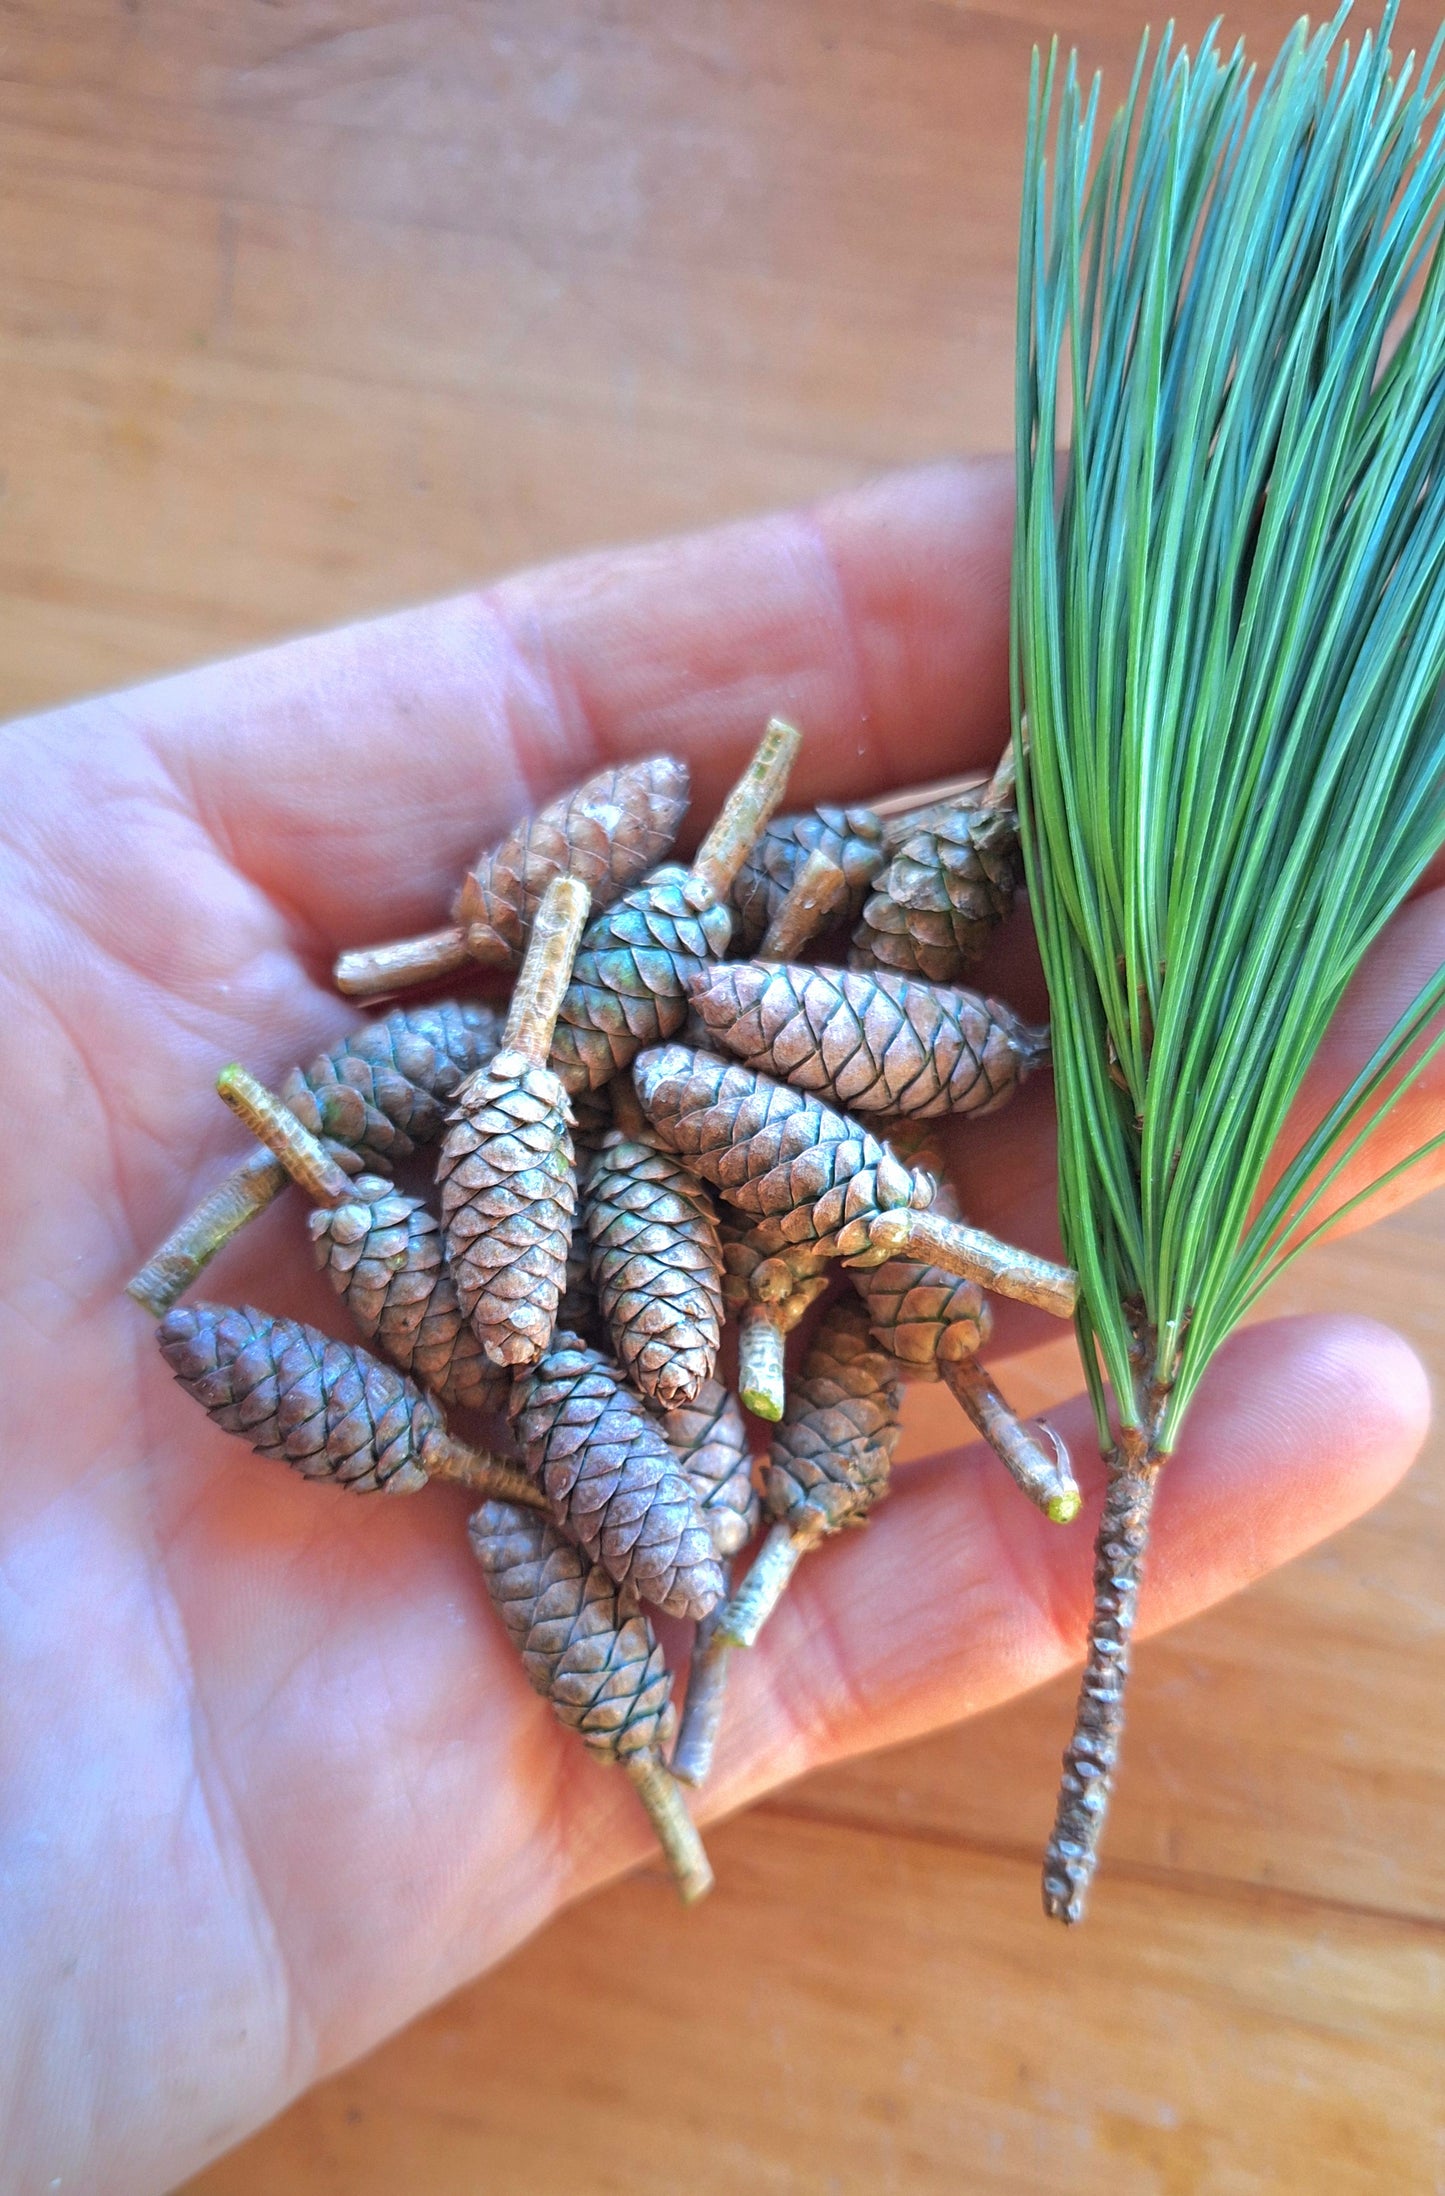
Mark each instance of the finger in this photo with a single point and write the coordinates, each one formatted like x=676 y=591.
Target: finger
x=1392 y=977
x=959 y=1595
x=355 y=774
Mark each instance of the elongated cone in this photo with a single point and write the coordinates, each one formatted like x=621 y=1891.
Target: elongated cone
x=612 y=1480
x=382 y=1253
x=508 y=1187
x=710 y=1441
x=830 y=1457
x=509 y=1199
x=380 y=1250
x=920 y=1314
x=870 y=1042
x=607 y=832
x=330 y=1409
x=853 y=837
x=950 y=884
x=767 y=1293
x=656 y=1265
x=601 y=1669
x=598 y=1665
x=803 y=1173
x=829 y=1461
x=628 y=987
x=923 y=1316
x=373 y=1098
x=384 y=1091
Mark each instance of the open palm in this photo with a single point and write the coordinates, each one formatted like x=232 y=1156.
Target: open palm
x=273 y=1780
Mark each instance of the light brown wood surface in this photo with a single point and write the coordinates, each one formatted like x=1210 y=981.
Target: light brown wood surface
x=309 y=309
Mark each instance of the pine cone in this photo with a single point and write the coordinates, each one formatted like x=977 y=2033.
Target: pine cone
x=509 y=1198
x=602 y=1671
x=852 y=836
x=872 y=1042
x=710 y=1442
x=382 y=1252
x=924 y=1318
x=385 y=1089
x=629 y=982
x=656 y=1265
x=608 y=832
x=949 y=886
x=612 y=1481
x=331 y=1410
x=830 y=1456
x=753 y=1276
x=801 y=1172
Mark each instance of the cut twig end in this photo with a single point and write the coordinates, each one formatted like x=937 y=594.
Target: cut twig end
x=401 y=963
x=760 y=1363
x=745 y=811
x=189 y=1248
x=547 y=969
x=820 y=887
x=676 y=1831
x=273 y=1124
x=977 y=1256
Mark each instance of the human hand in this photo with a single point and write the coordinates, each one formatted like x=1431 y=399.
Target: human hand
x=273 y=1778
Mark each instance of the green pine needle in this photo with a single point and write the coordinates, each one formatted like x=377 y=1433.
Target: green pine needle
x=1229 y=640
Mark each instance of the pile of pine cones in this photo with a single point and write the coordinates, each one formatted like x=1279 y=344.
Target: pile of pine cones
x=573 y=1277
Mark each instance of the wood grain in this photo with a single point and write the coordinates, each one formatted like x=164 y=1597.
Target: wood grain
x=308 y=309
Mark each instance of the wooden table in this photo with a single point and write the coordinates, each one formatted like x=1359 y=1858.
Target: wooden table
x=313 y=308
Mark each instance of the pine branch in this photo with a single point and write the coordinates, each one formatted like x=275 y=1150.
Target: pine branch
x=1229 y=639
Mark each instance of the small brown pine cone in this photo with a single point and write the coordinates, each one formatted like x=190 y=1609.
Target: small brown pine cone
x=923 y=1316
x=509 y=1198
x=603 y=1671
x=830 y=1455
x=753 y=1276
x=383 y=1090
x=804 y=1174
x=656 y=1267
x=608 y=832
x=949 y=886
x=382 y=1253
x=852 y=837
x=331 y=1410
x=867 y=1040
x=612 y=1480
x=710 y=1442
x=629 y=981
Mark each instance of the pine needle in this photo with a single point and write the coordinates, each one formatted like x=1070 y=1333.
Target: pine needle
x=1229 y=639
